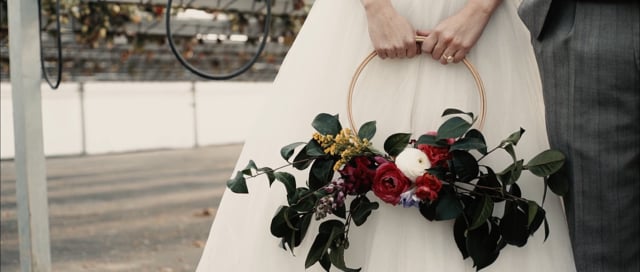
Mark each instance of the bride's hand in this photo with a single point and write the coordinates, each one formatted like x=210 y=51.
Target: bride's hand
x=451 y=39
x=391 y=34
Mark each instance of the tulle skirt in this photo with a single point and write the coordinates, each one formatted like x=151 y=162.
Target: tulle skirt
x=406 y=95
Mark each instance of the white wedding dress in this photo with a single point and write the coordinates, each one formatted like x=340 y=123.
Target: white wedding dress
x=405 y=95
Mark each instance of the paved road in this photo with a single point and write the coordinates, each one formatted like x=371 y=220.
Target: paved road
x=146 y=211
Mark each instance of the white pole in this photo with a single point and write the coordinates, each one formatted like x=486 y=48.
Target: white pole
x=31 y=181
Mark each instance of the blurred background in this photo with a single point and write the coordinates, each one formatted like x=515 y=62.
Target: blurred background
x=138 y=148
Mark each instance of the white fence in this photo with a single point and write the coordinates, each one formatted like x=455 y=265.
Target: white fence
x=105 y=117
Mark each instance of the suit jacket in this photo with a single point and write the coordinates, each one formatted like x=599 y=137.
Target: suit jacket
x=534 y=14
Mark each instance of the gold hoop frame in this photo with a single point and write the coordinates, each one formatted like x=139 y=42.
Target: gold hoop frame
x=467 y=63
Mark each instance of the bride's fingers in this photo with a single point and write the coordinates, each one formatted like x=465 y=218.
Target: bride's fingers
x=382 y=53
x=448 y=56
x=438 y=50
x=428 y=44
x=460 y=54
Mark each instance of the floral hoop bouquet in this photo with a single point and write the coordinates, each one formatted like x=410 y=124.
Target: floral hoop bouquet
x=440 y=174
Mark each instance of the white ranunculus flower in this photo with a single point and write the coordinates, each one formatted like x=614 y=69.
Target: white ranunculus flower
x=412 y=162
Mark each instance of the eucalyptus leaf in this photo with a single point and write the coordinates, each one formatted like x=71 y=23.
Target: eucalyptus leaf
x=454 y=127
x=336 y=255
x=250 y=166
x=314 y=149
x=287 y=151
x=269 y=172
x=321 y=173
x=327 y=124
x=317 y=249
x=396 y=143
x=361 y=208
x=546 y=163
x=238 y=184
x=367 y=130
x=289 y=182
x=279 y=226
x=302 y=160
x=325 y=262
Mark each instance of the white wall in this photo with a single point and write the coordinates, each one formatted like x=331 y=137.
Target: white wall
x=132 y=116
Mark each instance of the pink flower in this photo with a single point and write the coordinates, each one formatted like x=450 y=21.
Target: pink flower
x=428 y=187
x=389 y=183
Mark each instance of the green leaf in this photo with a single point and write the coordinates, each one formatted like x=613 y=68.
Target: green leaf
x=513 y=226
x=340 y=211
x=431 y=140
x=367 y=130
x=325 y=262
x=511 y=151
x=289 y=182
x=321 y=173
x=537 y=220
x=459 y=234
x=546 y=229
x=451 y=111
x=361 y=208
x=482 y=212
x=465 y=166
x=396 y=143
x=247 y=170
x=302 y=160
x=546 y=163
x=327 y=233
x=327 y=124
x=490 y=180
x=279 y=226
x=238 y=184
x=482 y=244
x=314 y=149
x=514 y=138
x=317 y=250
x=469 y=144
x=476 y=134
x=446 y=207
x=558 y=183
x=512 y=173
x=336 y=254
x=531 y=213
x=303 y=225
x=455 y=127
x=287 y=151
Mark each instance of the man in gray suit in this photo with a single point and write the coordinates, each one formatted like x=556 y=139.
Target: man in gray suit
x=588 y=52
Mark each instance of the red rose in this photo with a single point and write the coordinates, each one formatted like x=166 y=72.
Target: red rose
x=358 y=175
x=428 y=187
x=438 y=156
x=389 y=183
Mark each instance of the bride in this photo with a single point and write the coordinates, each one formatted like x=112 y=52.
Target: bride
x=404 y=92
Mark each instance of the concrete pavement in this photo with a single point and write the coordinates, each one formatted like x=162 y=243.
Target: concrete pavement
x=143 y=211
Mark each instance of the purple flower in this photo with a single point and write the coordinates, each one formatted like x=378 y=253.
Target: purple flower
x=408 y=199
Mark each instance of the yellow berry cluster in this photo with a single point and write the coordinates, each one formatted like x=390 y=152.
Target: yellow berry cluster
x=346 y=144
